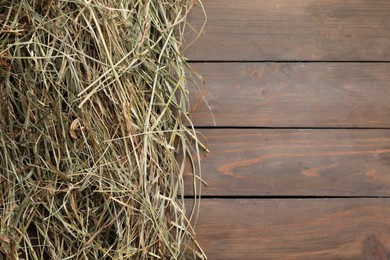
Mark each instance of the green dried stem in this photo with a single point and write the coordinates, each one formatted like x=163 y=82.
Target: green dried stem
x=92 y=101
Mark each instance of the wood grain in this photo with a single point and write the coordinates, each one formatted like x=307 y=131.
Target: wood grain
x=295 y=229
x=275 y=162
x=258 y=30
x=294 y=94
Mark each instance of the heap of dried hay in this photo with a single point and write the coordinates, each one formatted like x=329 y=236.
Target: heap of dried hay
x=92 y=103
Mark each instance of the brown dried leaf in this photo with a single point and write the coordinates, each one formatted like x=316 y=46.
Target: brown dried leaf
x=73 y=127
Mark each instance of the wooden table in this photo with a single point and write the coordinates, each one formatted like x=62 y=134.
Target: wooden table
x=298 y=128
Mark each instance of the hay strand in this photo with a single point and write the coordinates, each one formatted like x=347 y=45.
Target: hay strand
x=92 y=102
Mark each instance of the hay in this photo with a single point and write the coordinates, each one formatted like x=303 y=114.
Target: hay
x=92 y=103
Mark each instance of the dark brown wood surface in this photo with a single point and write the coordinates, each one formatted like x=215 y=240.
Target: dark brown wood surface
x=288 y=162
x=299 y=128
x=331 y=30
x=294 y=94
x=295 y=229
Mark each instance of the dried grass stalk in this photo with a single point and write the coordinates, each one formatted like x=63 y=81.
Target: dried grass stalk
x=92 y=98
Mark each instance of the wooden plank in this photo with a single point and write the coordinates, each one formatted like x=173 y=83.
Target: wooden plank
x=294 y=94
x=258 y=30
x=275 y=162
x=295 y=229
